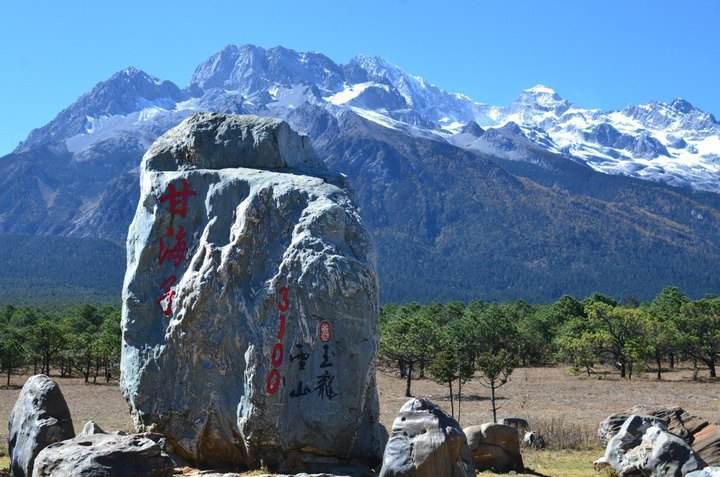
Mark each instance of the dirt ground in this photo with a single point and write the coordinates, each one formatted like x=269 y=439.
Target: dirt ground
x=554 y=393
x=537 y=394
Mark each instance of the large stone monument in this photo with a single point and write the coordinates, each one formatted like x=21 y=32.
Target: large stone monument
x=250 y=302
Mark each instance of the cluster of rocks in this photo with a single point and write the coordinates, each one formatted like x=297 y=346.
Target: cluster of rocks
x=42 y=441
x=425 y=442
x=660 y=442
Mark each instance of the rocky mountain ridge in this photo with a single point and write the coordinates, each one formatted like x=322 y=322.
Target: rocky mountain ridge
x=530 y=200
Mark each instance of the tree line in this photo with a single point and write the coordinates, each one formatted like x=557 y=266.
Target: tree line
x=76 y=341
x=451 y=343
x=455 y=342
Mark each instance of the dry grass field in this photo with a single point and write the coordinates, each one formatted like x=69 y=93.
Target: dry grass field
x=565 y=407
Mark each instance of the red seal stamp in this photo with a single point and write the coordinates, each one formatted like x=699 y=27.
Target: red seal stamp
x=325 y=331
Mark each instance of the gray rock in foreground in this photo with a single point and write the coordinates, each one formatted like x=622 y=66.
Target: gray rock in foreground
x=39 y=418
x=677 y=420
x=106 y=455
x=426 y=442
x=643 y=446
x=250 y=303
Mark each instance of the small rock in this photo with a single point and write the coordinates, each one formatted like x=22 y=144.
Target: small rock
x=91 y=428
x=426 y=442
x=110 y=455
x=495 y=447
x=533 y=440
x=40 y=417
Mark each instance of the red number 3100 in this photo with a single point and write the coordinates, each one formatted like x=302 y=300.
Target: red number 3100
x=272 y=384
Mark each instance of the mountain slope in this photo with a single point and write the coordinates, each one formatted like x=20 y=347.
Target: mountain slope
x=453 y=225
x=465 y=200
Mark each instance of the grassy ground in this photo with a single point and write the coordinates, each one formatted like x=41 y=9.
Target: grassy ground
x=558 y=464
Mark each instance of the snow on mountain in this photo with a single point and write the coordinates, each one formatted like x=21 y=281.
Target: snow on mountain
x=673 y=142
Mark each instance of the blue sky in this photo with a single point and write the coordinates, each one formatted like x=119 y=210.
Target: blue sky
x=596 y=53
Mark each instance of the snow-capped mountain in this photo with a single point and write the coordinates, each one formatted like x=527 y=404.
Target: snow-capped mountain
x=464 y=199
x=674 y=142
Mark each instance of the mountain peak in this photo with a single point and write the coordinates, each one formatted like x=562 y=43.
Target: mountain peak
x=133 y=75
x=542 y=99
x=682 y=106
x=473 y=129
x=250 y=69
x=539 y=89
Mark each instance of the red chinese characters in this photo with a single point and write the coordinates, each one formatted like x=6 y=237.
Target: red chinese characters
x=175 y=252
x=178 y=199
x=173 y=245
x=168 y=294
x=277 y=356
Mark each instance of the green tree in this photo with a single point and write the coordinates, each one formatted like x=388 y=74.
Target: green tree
x=47 y=341
x=576 y=345
x=666 y=307
x=699 y=330
x=617 y=332
x=408 y=338
x=496 y=337
x=496 y=369
x=12 y=351
x=454 y=360
x=662 y=338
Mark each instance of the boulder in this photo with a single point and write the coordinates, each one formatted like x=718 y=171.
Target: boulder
x=426 y=442
x=677 y=420
x=662 y=454
x=39 y=418
x=250 y=302
x=628 y=437
x=643 y=446
x=703 y=437
x=107 y=455
x=495 y=447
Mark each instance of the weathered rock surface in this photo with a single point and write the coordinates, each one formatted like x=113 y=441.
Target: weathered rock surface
x=706 y=472
x=703 y=437
x=250 y=302
x=643 y=446
x=107 y=455
x=662 y=454
x=495 y=447
x=426 y=442
x=677 y=420
x=628 y=437
x=39 y=418
x=706 y=443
